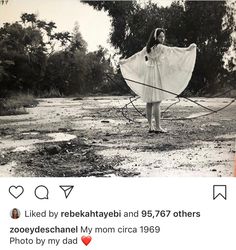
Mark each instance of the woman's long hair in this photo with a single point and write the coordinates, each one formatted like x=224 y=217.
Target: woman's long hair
x=13 y=215
x=151 y=41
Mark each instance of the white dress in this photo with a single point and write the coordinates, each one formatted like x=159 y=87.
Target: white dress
x=168 y=68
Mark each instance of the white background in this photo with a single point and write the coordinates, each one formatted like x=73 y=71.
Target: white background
x=215 y=229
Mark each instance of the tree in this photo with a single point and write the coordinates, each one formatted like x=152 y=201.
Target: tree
x=27 y=44
x=46 y=30
x=228 y=23
x=77 y=41
x=206 y=27
x=23 y=47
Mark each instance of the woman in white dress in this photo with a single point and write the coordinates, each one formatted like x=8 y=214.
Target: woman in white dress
x=166 y=71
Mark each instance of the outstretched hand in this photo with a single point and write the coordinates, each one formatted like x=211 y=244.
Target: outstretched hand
x=192 y=46
x=122 y=61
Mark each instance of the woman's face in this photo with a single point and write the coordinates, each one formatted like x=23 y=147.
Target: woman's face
x=14 y=213
x=161 y=37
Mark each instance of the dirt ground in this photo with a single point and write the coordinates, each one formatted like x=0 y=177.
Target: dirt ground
x=90 y=137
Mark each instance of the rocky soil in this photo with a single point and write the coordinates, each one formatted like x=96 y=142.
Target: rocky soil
x=92 y=136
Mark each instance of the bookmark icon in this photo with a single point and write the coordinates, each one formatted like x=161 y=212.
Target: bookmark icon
x=67 y=189
x=219 y=191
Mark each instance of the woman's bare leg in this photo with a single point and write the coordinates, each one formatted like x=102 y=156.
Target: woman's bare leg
x=157 y=116
x=149 y=115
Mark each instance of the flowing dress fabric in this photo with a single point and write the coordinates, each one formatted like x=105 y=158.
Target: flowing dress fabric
x=167 y=68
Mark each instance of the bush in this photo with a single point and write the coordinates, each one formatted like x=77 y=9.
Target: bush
x=53 y=92
x=16 y=104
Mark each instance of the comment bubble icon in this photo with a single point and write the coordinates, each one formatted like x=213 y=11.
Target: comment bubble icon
x=41 y=192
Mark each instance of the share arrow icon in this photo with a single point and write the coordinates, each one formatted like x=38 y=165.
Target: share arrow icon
x=67 y=189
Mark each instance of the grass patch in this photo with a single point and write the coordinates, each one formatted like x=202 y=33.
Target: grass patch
x=16 y=104
x=51 y=93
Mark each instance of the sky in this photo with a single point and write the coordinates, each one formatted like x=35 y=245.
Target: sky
x=94 y=25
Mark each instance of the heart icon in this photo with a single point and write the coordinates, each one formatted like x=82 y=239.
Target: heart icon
x=16 y=192
x=86 y=239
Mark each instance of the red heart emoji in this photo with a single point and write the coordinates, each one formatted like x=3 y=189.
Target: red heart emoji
x=86 y=239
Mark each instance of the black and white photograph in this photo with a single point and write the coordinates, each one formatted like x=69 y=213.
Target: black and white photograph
x=117 y=88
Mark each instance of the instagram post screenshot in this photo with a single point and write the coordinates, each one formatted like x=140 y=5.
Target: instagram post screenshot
x=118 y=124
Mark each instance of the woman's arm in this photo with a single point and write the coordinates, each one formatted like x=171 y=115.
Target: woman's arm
x=191 y=46
x=142 y=52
